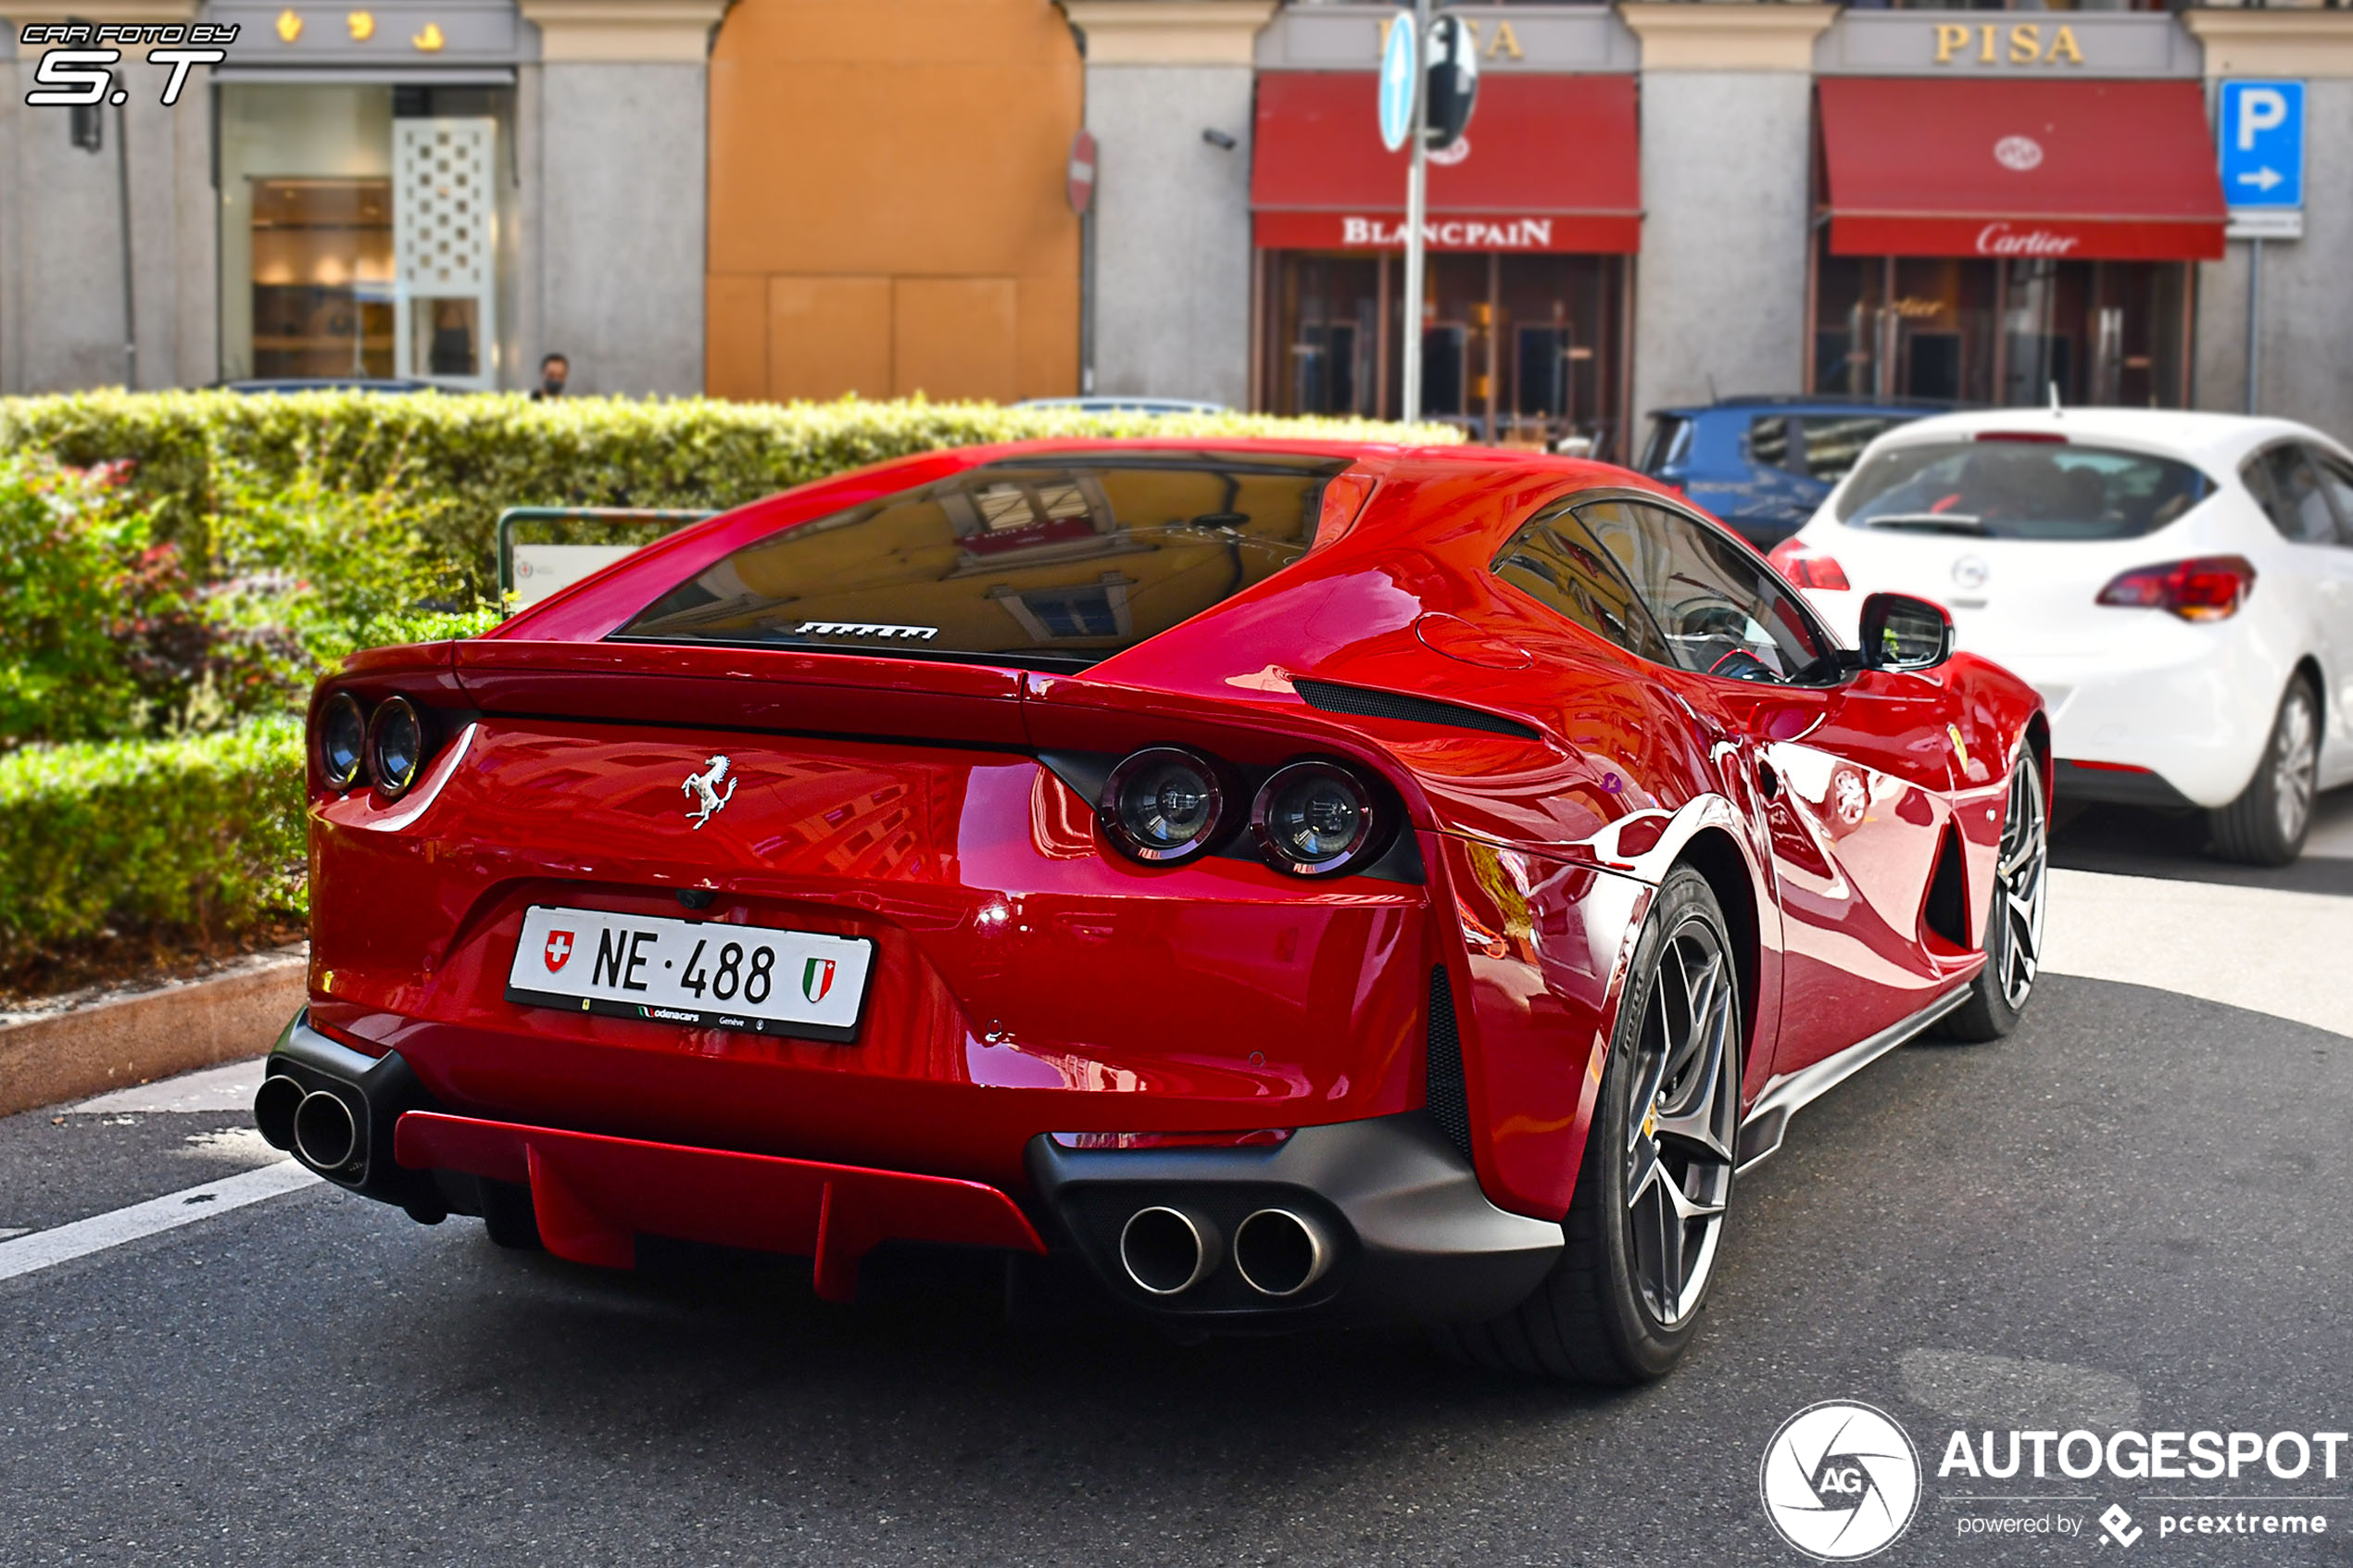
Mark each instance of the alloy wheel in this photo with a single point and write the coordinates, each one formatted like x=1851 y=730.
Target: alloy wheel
x=1682 y=1120
x=2023 y=872
x=2296 y=756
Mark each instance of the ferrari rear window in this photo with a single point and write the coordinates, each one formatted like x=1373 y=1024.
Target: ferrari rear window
x=2000 y=488
x=1053 y=562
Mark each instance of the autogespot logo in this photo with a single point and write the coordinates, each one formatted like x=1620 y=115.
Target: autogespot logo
x=1841 y=1481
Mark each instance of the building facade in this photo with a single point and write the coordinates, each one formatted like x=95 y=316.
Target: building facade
x=1656 y=203
x=436 y=189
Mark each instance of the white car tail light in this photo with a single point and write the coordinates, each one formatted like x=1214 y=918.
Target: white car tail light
x=1806 y=568
x=2205 y=588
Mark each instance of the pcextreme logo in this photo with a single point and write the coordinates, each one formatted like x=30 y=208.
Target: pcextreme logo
x=1841 y=1481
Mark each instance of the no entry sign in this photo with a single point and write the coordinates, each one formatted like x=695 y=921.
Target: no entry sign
x=1082 y=171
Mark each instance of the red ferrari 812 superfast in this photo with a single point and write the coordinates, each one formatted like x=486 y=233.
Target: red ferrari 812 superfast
x=1284 y=884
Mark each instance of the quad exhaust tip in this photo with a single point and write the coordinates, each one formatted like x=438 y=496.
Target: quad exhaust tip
x=274 y=1105
x=1166 y=1251
x=1280 y=1253
x=324 y=1133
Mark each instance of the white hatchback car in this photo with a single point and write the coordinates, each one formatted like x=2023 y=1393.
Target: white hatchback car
x=2178 y=586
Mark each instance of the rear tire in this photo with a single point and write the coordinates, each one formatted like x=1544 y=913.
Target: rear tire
x=1646 y=1224
x=2014 y=921
x=506 y=1209
x=2265 y=826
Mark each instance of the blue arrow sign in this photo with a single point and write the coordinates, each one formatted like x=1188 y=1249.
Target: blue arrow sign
x=2261 y=134
x=1397 y=83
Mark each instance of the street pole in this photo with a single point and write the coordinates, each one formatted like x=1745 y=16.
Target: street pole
x=2254 y=322
x=1087 y=301
x=1416 y=179
x=129 y=292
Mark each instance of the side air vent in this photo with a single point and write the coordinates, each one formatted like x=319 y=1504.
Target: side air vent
x=1366 y=703
x=1449 y=1101
x=1947 y=912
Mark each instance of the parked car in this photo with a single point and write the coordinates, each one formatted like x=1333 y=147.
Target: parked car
x=1264 y=883
x=331 y=384
x=2179 y=587
x=1763 y=464
x=1124 y=404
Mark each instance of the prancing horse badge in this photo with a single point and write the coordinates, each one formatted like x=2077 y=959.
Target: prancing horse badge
x=704 y=787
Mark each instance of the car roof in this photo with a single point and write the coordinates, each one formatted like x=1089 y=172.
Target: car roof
x=2220 y=439
x=330 y=384
x=1822 y=403
x=1110 y=405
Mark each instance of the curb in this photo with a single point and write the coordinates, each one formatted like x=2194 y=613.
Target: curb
x=134 y=1039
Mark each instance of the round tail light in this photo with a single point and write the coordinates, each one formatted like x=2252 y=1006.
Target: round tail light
x=1163 y=804
x=1313 y=819
x=343 y=741
x=396 y=741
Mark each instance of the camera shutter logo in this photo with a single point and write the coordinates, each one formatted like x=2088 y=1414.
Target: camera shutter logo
x=1841 y=1481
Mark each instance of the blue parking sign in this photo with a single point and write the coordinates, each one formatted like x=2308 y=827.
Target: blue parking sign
x=2261 y=138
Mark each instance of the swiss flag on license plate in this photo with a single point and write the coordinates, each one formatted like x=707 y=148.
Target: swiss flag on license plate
x=557 y=952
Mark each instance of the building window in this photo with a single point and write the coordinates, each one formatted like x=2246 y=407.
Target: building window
x=1525 y=349
x=1092 y=612
x=1979 y=329
x=361 y=232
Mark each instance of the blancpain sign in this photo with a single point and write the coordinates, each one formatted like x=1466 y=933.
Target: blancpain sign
x=1466 y=233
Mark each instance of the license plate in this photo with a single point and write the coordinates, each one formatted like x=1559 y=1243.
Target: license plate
x=698 y=973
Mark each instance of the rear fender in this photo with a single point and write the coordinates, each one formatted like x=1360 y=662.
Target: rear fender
x=1545 y=942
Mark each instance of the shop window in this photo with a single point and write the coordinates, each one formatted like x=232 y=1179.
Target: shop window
x=1445 y=365
x=321 y=290
x=1541 y=364
x=1330 y=309
x=1521 y=349
x=1977 y=330
x=358 y=240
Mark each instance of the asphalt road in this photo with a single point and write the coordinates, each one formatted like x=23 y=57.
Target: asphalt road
x=2138 y=1212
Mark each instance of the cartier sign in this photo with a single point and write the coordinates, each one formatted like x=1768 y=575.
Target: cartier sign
x=2005 y=239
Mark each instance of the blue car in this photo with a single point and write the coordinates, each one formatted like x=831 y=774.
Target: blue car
x=1763 y=464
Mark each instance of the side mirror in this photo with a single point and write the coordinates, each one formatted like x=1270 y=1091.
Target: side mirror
x=1902 y=632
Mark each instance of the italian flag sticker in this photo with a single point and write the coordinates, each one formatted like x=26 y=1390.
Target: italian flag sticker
x=817 y=978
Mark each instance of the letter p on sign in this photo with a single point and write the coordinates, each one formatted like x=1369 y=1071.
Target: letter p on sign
x=2260 y=109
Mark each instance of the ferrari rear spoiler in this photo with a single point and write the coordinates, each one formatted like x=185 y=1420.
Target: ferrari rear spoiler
x=744 y=688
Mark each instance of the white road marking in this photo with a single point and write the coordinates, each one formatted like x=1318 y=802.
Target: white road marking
x=2260 y=948
x=227 y=1087
x=43 y=1249
x=8 y=1231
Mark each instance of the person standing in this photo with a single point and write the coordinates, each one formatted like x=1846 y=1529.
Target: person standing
x=554 y=371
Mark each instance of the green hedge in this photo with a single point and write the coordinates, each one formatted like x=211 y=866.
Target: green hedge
x=204 y=835
x=486 y=452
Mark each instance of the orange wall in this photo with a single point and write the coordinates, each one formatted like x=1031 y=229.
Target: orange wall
x=886 y=206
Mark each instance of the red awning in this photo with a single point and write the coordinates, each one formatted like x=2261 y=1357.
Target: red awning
x=2094 y=170
x=1553 y=164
